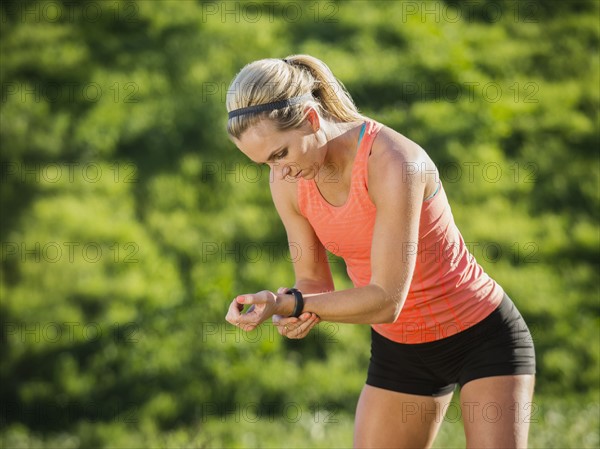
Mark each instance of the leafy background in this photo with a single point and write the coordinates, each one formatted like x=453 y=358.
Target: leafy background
x=129 y=220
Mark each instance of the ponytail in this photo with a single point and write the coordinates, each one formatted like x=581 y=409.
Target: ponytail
x=331 y=92
x=272 y=80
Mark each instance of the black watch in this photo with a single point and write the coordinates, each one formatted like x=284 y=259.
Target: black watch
x=299 y=306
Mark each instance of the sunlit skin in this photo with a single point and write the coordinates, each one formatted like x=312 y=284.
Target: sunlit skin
x=307 y=152
x=324 y=150
x=317 y=150
x=311 y=152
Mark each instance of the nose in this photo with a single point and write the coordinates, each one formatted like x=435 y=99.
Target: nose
x=285 y=171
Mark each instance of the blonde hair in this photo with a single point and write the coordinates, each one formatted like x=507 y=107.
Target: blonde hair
x=269 y=80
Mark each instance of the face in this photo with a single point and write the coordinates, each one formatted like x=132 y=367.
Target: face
x=291 y=153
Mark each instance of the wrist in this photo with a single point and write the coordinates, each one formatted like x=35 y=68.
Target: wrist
x=284 y=304
x=298 y=302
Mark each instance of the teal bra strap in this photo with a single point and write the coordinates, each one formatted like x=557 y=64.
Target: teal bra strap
x=362 y=132
x=433 y=194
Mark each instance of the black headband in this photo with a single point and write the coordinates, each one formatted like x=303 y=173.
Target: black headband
x=270 y=106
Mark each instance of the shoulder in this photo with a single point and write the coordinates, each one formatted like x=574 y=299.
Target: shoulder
x=391 y=147
x=284 y=193
x=398 y=163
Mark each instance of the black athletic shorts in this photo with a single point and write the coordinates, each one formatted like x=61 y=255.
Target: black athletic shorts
x=499 y=345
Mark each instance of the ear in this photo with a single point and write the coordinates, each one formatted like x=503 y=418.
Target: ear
x=312 y=116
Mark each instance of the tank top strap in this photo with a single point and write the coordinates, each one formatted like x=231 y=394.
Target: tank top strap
x=309 y=197
x=303 y=192
x=360 y=171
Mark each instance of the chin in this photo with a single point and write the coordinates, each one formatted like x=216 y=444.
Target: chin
x=309 y=173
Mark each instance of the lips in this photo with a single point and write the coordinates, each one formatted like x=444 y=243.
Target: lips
x=299 y=174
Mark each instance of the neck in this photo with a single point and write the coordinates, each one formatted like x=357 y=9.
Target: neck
x=341 y=142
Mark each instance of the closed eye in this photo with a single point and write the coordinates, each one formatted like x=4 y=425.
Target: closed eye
x=282 y=154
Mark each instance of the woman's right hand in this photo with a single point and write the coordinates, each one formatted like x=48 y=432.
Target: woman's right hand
x=292 y=327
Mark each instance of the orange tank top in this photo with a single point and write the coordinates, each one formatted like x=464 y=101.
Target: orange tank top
x=449 y=291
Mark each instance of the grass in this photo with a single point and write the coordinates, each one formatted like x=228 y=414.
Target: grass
x=557 y=422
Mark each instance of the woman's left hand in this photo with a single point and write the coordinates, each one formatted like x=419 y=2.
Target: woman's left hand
x=296 y=328
x=262 y=308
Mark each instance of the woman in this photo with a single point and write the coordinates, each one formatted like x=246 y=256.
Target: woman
x=344 y=182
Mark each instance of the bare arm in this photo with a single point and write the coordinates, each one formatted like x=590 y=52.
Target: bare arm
x=311 y=267
x=398 y=195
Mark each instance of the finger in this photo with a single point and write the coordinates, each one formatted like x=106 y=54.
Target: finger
x=247 y=325
x=245 y=299
x=307 y=327
x=279 y=321
x=314 y=317
x=257 y=298
x=233 y=314
x=304 y=328
x=287 y=320
x=285 y=325
x=307 y=316
x=315 y=321
x=291 y=324
x=257 y=313
x=295 y=334
x=284 y=330
x=297 y=331
x=282 y=290
x=248 y=321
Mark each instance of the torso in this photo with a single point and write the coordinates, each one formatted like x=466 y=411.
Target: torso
x=448 y=291
x=334 y=183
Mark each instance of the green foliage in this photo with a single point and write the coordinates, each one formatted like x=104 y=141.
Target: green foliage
x=129 y=220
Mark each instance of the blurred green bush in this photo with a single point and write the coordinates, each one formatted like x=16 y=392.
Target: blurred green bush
x=129 y=220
